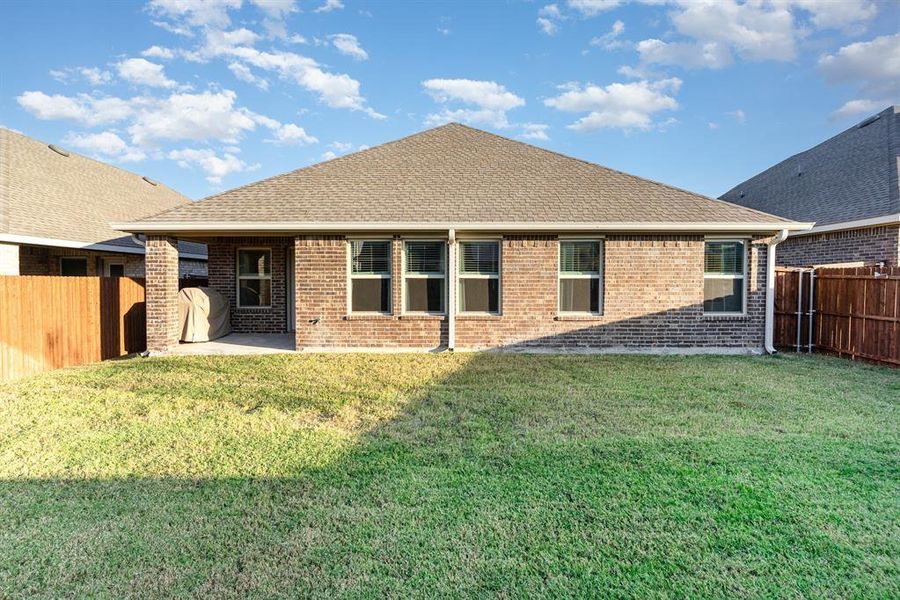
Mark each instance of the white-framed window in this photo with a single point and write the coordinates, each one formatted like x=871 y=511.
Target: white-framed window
x=425 y=277
x=479 y=277
x=254 y=277
x=114 y=267
x=370 y=276
x=725 y=277
x=581 y=277
x=73 y=266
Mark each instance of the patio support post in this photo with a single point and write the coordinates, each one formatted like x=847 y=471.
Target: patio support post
x=161 y=292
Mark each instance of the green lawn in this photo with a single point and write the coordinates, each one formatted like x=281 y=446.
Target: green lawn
x=466 y=474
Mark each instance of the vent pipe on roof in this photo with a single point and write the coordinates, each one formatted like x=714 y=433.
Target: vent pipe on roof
x=148 y=180
x=58 y=150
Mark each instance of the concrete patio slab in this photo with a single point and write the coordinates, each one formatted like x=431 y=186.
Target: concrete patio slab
x=239 y=343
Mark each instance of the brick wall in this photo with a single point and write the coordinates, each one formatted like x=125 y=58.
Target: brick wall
x=322 y=319
x=653 y=298
x=222 y=270
x=44 y=260
x=162 y=293
x=866 y=246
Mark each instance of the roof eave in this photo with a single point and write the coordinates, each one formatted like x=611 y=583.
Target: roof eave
x=174 y=227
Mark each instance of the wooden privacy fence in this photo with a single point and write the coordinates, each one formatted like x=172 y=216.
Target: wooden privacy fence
x=851 y=312
x=52 y=322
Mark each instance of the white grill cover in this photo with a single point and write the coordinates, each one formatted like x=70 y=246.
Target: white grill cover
x=203 y=313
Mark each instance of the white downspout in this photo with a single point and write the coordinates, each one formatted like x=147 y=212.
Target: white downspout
x=451 y=289
x=135 y=237
x=770 y=289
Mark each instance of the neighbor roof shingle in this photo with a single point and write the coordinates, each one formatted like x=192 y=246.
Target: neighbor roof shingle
x=47 y=195
x=458 y=174
x=849 y=177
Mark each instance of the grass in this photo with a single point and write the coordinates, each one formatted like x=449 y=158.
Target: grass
x=448 y=475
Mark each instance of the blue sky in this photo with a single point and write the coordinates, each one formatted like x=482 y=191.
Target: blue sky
x=209 y=95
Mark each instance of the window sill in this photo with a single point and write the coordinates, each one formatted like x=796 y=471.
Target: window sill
x=575 y=317
x=726 y=316
x=422 y=317
x=252 y=308
x=368 y=317
x=477 y=317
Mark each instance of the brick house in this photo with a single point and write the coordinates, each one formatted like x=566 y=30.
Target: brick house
x=458 y=238
x=55 y=209
x=848 y=185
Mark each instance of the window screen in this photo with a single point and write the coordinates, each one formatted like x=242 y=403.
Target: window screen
x=370 y=276
x=479 y=277
x=254 y=266
x=580 y=276
x=425 y=276
x=724 y=276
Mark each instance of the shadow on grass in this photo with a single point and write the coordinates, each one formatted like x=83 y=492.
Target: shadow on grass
x=486 y=475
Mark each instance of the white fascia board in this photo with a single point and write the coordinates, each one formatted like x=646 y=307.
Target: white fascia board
x=55 y=243
x=289 y=227
x=845 y=225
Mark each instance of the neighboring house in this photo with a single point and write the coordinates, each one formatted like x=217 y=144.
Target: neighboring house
x=55 y=210
x=459 y=238
x=848 y=185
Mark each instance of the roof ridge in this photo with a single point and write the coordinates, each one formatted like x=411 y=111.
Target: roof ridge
x=99 y=162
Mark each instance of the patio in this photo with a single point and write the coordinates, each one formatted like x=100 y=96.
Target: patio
x=239 y=343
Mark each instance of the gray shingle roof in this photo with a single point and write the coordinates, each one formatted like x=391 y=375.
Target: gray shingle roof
x=455 y=173
x=852 y=176
x=45 y=194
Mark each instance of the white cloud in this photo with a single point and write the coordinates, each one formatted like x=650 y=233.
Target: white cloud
x=197 y=13
x=755 y=31
x=329 y=155
x=491 y=100
x=216 y=167
x=711 y=55
x=143 y=72
x=591 y=8
x=548 y=18
x=244 y=73
x=739 y=115
x=276 y=12
x=855 y=108
x=85 y=109
x=617 y=105
x=712 y=125
x=836 y=13
x=534 y=131
x=349 y=45
x=874 y=65
x=95 y=76
x=329 y=6
x=107 y=144
x=292 y=135
x=547 y=26
x=192 y=117
x=342 y=146
x=336 y=90
x=158 y=52
x=609 y=41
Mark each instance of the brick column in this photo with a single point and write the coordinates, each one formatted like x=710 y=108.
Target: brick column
x=9 y=259
x=162 y=293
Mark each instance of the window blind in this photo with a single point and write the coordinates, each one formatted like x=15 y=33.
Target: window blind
x=481 y=258
x=371 y=257
x=724 y=258
x=424 y=257
x=579 y=257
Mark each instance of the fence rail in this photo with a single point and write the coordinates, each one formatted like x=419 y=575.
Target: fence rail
x=52 y=322
x=852 y=311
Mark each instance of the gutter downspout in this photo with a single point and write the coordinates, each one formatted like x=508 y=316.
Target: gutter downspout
x=135 y=237
x=770 y=289
x=451 y=290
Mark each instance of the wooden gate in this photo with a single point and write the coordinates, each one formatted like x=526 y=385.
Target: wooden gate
x=851 y=312
x=52 y=322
